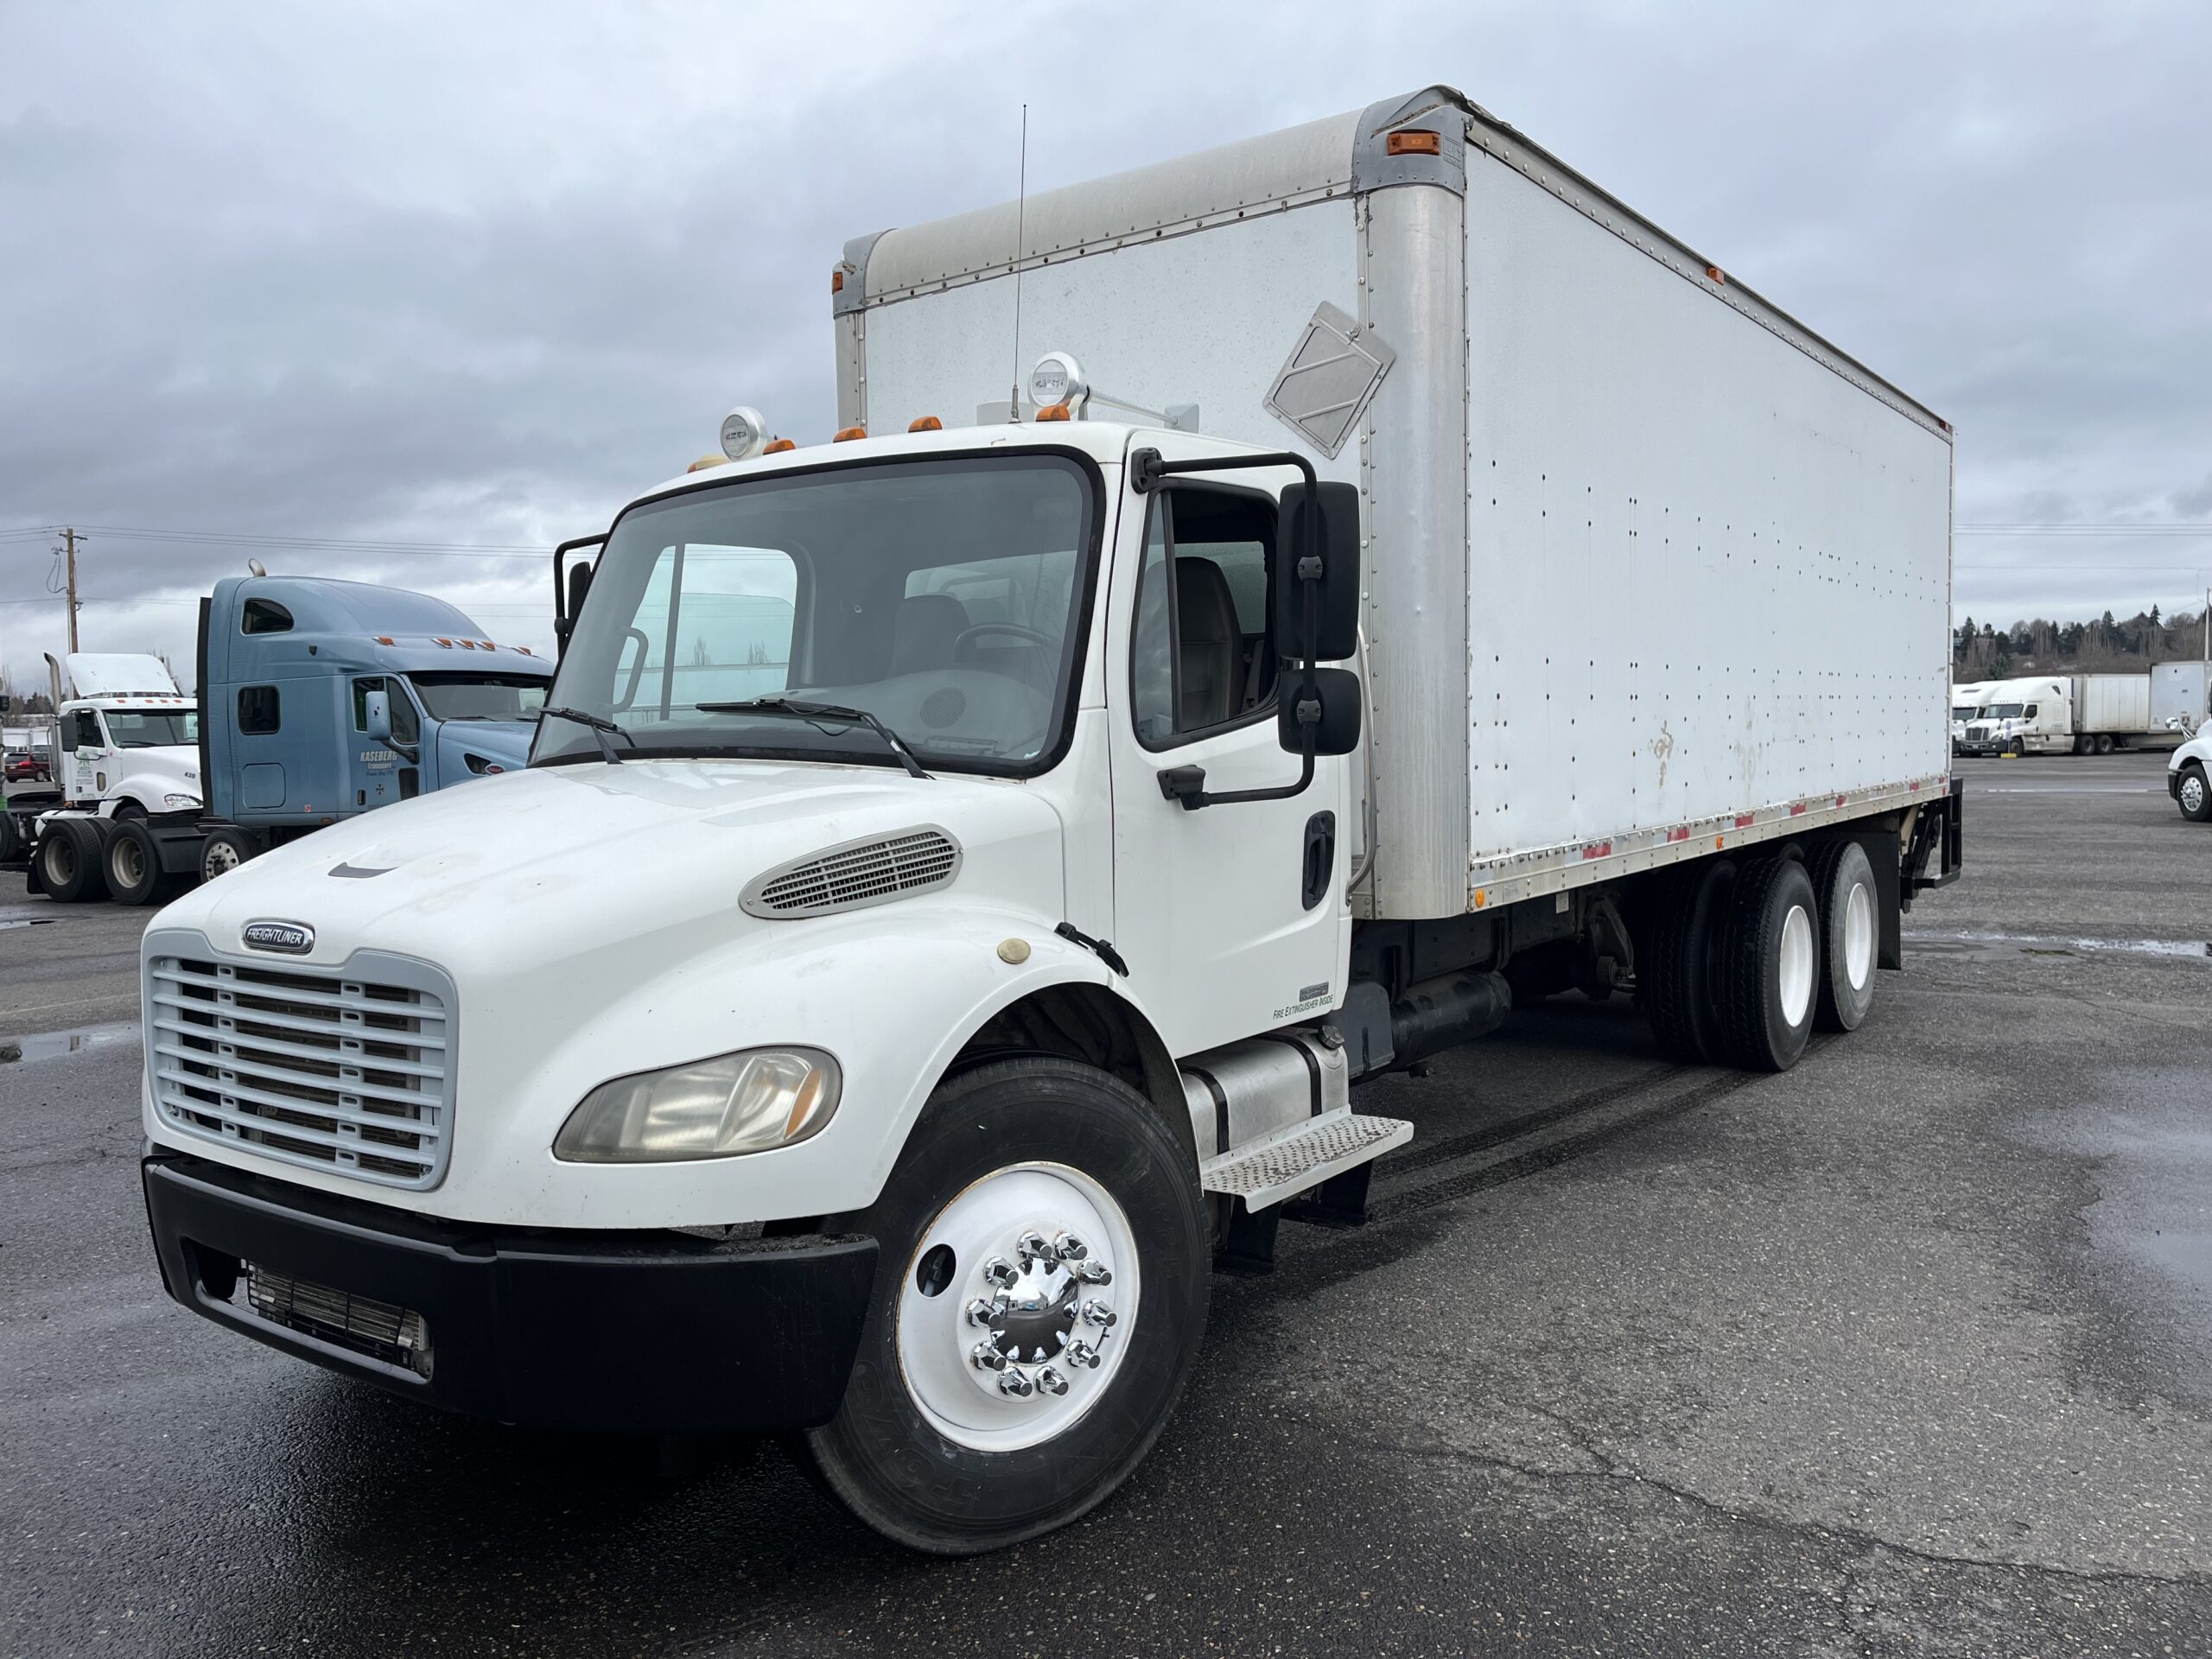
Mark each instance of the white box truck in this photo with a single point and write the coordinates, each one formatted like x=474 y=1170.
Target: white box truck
x=966 y=872
x=2065 y=714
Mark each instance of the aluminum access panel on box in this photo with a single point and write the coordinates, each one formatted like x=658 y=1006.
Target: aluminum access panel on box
x=1707 y=574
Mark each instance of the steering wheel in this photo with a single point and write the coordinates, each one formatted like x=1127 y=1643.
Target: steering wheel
x=1014 y=628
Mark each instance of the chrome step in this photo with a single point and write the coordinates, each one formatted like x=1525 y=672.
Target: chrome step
x=1289 y=1162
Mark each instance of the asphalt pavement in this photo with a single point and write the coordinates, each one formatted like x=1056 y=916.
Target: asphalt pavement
x=1908 y=1352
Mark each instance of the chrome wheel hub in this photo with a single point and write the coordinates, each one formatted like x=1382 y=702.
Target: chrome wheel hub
x=2192 y=792
x=1016 y=1308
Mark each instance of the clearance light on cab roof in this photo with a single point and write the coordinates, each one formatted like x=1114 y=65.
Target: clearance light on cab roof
x=1053 y=412
x=778 y=447
x=925 y=424
x=848 y=434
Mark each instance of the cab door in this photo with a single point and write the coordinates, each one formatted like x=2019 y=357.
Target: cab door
x=91 y=759
x=1231 y=918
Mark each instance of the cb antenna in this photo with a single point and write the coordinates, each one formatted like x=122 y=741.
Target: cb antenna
x=1021 y=229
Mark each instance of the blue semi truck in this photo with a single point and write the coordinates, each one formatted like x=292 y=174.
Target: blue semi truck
x=318 y=699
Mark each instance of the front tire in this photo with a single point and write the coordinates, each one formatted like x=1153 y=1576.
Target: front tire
x=950 y=1449
x=2195 y=796
x=223 y=851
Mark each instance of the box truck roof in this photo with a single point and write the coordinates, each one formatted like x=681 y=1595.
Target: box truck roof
x=1342 y=154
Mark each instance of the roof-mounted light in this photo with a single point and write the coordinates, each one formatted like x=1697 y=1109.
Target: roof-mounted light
x=745 y=431
x=1058 y=382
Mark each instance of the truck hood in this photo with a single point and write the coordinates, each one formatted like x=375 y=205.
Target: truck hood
x=177 y=766
x=502 y=743
x=568 y=861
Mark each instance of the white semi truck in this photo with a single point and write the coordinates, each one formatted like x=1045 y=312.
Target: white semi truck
x=2065 y=714
x=967 y=872
x=129 y=749
x=1966 y=699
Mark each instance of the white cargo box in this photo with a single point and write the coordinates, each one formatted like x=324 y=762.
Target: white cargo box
x=2112 y=703
x=2182 y=690
x=1650 y=566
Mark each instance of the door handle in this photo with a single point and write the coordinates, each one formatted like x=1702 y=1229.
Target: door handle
x=1319 y=860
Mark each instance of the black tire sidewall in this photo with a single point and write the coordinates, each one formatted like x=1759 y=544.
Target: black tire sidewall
x=879 y=1455
x=134 y=830
x=1834 y=870
x=1761 y=1037
x=2204 y=813
x=86 y=850
x=222 y=837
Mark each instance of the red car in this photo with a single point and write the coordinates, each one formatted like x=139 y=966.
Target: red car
x=25 y=767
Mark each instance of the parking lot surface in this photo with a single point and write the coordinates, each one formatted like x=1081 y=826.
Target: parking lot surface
x=1906 y=1352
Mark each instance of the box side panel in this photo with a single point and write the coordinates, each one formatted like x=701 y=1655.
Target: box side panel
x=1708 y=574
x=2112 y=703
x=2183 y=690
x=1207 y=317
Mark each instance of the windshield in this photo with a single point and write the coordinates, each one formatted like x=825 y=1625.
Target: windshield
x=131 y=729
x=943 y=597
x=2003 y=711
x=1966 y=713
x=480 y=697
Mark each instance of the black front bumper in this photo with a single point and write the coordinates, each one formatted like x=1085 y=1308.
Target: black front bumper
x=640 y=1332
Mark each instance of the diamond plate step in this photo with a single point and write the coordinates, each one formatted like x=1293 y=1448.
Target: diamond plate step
x=1286 y=1164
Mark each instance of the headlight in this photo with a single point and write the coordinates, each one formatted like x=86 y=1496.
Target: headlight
x=747 y=1102
x=180 y=800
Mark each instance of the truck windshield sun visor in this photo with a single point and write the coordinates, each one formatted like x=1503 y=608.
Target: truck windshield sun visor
x=886 y=613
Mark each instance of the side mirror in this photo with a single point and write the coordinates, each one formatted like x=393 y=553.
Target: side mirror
x=579 y=586
x=1335 y=611
x=377 y=713
x=67 y=732
x=1335 y=721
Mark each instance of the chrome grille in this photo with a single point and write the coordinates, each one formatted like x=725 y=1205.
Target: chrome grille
x=326 y=1070
x=870 y=872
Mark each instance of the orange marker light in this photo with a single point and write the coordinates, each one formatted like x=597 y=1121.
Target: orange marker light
x=1717 y=275
x=1416 y=142
x=384 y=638
x=925 y=424
x=778 y=447
x=1053 y=412
x=836 y=282
x=846 y=435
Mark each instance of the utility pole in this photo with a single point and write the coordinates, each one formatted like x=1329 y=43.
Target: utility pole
x=69 y=551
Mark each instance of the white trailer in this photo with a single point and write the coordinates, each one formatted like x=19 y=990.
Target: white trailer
x=1489 y=597
x=2181 y=697
x=2066 y=713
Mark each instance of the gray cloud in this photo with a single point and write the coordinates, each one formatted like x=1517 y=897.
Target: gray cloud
x=476 y=277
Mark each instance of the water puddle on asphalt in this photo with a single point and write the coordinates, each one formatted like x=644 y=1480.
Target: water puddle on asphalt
x=2033 y=944
x=46 y=1045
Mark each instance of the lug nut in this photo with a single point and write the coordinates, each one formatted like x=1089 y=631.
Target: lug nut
x=1002 y=1273
x=1016 y=1382
x=1093 y=1273
x=986 y=1313
x=1051 y=1382
x=1072 y=1248
x=1034 y=1249
x=986 y=1357
x=1082 y=1353
x=1097 y=1312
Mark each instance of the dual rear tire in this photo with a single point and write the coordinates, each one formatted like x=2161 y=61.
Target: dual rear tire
x=1740 y=963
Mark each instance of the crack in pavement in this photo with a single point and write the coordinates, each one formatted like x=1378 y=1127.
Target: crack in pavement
x=1612 y=1469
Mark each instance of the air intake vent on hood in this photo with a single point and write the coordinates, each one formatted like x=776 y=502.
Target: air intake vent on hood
x=858 y=873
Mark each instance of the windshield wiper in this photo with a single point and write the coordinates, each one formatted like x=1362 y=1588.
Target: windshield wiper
x=599 y=727
x=814 y=712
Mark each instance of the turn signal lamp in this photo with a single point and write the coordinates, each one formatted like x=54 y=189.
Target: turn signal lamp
x=925 y=424
x=847 y=434
x=1416 y=142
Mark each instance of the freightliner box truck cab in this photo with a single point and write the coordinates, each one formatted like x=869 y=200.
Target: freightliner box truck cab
x=965 y=869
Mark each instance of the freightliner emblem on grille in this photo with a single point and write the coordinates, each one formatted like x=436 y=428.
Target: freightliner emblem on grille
x=291 y=939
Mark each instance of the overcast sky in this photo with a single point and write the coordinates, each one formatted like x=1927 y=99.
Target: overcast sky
x=430 y=274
